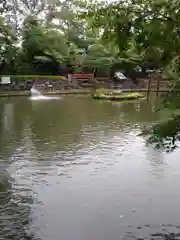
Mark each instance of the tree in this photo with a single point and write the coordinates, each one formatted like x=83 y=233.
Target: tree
x=41 y=41
x=15 y=11
x=8 y=48
x=166 y=133
x=120 y=35
x=153 y=26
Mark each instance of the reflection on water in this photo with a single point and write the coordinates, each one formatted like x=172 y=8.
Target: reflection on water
x=8 y=116
x=76 y=169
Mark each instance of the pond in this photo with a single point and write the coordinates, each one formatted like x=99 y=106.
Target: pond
x=76 y=169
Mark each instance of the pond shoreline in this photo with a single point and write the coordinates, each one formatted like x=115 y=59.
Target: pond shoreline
x=118 y=98
x=69 y=92
x=27 y=93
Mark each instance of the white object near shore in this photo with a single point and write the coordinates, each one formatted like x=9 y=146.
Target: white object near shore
x=117 y=91
x=120 y=76
x=5 y=80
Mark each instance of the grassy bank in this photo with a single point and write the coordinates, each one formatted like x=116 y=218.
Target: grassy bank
x=33 y=77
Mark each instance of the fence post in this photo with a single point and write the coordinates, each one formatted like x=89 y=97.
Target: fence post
x=158 y=84
x=149 y=84
x=69 y=78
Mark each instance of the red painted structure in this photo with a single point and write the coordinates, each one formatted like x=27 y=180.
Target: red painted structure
x=82 y=76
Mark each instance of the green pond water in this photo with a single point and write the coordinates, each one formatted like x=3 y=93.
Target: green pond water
x=76 y=169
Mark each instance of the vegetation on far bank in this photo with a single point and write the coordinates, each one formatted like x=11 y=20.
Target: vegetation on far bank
x=85 y=36
x=34 y=77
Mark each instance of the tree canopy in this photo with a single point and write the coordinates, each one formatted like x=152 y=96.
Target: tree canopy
x=137 y=32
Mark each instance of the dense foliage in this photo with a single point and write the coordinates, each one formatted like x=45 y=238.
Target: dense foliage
x=166 y=134
x=124 y=34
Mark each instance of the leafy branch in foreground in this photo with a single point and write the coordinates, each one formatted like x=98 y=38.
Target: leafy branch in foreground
x=165 y=134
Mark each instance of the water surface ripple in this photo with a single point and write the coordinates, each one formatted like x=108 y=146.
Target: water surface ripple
x=76 y=169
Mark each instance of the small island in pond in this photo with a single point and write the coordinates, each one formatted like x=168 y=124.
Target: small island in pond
x=116 y=95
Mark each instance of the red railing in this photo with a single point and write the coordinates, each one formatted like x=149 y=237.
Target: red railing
x=81 y=76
